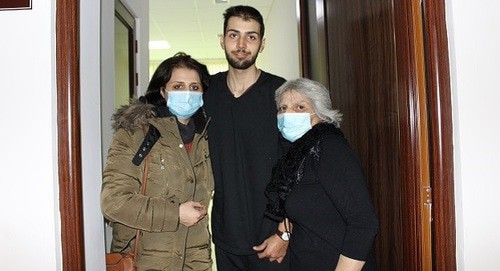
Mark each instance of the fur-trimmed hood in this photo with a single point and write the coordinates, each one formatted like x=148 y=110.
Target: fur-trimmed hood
x=133 y=116
x=138 y=115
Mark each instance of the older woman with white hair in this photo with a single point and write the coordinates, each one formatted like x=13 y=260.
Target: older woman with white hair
x=318 y=190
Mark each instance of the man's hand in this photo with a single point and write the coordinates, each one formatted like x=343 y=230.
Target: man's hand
x=273 y=248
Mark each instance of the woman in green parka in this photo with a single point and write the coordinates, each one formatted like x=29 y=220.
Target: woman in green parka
x=168 y=125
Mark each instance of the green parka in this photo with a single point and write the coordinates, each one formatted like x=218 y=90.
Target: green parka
x=174 y=177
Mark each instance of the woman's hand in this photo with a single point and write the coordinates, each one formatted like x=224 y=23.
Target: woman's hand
x=349 y=264
x=191 y=212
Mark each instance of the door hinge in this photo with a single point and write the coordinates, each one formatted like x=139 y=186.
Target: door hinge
x=428 y=200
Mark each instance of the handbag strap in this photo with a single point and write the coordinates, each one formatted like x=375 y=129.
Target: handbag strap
x=143 y=192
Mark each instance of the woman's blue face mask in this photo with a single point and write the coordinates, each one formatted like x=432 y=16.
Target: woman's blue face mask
x=184 y=103
x=294 y=125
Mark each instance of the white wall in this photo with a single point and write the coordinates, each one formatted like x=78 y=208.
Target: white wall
x=281 y=54
x=474 y=41
x=30 y=223
x=91 y=133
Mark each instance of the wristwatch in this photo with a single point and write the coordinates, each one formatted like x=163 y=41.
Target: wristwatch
x=284 y=235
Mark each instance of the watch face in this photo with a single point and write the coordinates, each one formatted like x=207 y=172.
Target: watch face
x=285 y=236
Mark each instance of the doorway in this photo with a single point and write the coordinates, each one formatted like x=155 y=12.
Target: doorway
x=125 y=55
x=438 y=118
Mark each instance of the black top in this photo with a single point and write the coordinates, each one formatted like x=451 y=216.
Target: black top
x=244 y=146
x=331 y=210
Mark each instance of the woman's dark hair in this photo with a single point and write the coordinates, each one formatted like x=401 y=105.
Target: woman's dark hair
x=164 y=71
x=246 y=13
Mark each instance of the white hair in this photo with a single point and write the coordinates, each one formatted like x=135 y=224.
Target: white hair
x=317 y=94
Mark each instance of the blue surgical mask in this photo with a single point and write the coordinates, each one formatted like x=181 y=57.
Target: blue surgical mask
x=294 y=125
x=183 y=103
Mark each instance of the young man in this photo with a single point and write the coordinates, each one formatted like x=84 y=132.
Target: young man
x=244 y=146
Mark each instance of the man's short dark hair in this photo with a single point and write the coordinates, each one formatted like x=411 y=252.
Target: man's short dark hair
x=246 y=13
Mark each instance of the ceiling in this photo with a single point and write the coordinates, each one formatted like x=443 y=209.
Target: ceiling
x=193 y=26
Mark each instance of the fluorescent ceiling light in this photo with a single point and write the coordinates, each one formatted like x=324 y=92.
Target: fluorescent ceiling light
x=158 y=44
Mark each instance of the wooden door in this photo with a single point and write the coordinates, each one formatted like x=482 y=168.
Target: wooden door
x=386 y=64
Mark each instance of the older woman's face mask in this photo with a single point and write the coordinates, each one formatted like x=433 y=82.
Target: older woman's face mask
x=296 y=115
x=294 y=125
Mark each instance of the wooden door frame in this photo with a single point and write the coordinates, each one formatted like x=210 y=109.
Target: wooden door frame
x=441 y=135
x=439 y=124
x=68 y=134
x=413 y=113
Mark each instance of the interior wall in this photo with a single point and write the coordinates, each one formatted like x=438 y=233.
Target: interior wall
x=281 y=54
x=91 y=132
x=474 y=39
x=29 y=206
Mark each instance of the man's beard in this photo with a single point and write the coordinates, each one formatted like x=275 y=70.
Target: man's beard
x=241 y=65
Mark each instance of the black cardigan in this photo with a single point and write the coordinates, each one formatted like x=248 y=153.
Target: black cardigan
x=329 y=207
